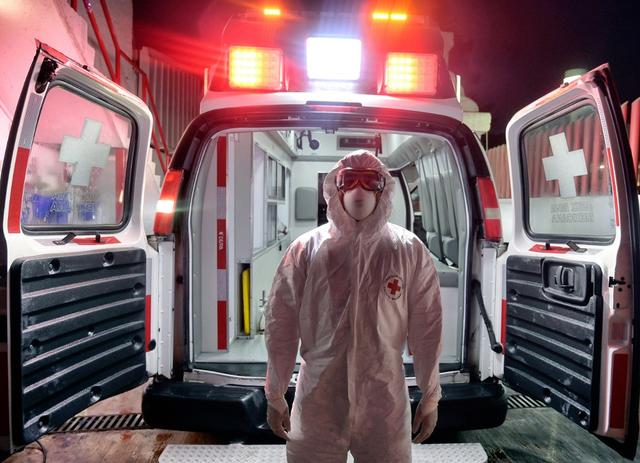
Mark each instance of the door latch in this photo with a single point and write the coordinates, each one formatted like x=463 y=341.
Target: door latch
x=566 y=278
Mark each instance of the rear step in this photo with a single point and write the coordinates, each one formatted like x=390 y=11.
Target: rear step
x=238 y=413
x=259 y=369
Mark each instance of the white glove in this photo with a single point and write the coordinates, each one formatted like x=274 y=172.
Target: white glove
x=278 y=417
x=424 y=421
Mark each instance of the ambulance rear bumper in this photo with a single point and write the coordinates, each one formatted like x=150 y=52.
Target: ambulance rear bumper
x=238 y=413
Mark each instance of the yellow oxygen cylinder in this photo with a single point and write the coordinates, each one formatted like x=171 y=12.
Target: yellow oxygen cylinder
x=245 y=301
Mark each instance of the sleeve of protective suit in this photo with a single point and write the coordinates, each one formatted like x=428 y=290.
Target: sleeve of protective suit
x=281 y=320
x=425 y=326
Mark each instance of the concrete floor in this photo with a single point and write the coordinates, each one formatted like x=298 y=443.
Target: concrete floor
x=538 y=435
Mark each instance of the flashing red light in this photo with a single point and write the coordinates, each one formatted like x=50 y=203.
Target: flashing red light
x=255 y=67
x=166 y=207
x=270 y=11
x=380 y=16
x=411 y=73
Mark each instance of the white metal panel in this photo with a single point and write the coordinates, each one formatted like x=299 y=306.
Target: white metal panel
x=166 y=282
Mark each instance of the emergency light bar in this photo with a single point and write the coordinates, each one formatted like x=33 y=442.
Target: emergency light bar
x=386 y=16
x=331 y=58
x=394 y=54
x=255 y=68
x=412 y=73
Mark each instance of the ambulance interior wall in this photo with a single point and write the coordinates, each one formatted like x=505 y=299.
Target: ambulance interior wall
x=245 y=205
x=245 y=218
x=204 y=287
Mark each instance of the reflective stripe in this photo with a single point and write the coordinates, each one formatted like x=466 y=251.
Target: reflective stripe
x=492 y=213
x=147 y=321
x=221 y=241
x=17 y=190
x=614 y=186
x=618 y=409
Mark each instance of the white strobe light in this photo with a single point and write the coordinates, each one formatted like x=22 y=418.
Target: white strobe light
x=330 y=58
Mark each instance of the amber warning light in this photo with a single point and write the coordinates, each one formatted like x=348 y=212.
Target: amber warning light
x=411 y=73
x=386 y=16
x=271 y=11
x=255 y=68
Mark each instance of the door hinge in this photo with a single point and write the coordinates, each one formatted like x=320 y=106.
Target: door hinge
x=46 y=74
x=614 y=282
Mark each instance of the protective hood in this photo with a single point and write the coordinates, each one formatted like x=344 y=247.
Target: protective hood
x=339 y=220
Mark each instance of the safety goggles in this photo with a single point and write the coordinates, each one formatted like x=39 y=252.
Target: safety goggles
x=349 y=178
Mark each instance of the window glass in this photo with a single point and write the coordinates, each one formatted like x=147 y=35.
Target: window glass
x=281 y=182
x=77 y=164
x=272 y=178
x=272 y=222
x=568 y=186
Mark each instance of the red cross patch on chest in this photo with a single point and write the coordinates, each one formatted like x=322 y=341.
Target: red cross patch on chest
x=393 y=287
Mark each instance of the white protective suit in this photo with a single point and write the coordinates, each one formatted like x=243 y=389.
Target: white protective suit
x=353 y=293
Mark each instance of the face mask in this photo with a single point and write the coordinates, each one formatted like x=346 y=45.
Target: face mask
x=359 y=203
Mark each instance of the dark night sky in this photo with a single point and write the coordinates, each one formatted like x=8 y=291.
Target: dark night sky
x=508 y=52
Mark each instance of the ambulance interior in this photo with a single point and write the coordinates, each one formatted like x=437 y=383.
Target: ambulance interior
x=273 y=194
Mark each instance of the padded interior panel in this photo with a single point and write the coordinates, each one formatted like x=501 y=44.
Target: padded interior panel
x=447 y=276
x=77 y=334
x=552 y=350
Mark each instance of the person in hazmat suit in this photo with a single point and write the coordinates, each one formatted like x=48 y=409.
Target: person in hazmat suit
x=351 y=292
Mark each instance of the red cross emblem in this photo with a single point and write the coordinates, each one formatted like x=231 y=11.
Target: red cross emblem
x=393 y=287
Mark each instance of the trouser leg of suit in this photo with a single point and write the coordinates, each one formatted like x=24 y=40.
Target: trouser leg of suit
x=380 y=437
x=316 y=440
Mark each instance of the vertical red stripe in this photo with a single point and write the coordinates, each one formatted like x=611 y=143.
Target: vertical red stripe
x=614 y=186
x=17 y=189
x=222 y=162
x=618 y=408
x=596 y=172
x=503 y=328
x=147 y=321
x=222 y=325
x=120 y=177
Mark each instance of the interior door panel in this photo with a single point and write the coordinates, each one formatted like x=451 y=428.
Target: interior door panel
x=79 y=336
x=552 y=351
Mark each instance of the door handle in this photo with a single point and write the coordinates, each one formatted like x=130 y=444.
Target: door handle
x=565 y=278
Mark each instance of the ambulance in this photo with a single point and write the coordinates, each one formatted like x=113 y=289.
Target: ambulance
x=95 y=304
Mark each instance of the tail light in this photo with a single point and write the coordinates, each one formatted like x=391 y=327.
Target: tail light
x=490 y=209
x=166 y=207
x=412 y=73
x=255 y=68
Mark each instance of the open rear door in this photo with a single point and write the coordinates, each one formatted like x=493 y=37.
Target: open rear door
x=572 y=277
x=72 y=248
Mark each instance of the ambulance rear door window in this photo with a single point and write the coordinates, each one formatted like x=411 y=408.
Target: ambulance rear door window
x=77 y=169
x=568 y=184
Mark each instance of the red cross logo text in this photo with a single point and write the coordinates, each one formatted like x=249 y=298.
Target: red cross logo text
x=393 y=287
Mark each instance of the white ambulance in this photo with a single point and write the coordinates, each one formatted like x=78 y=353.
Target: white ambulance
x=93 y=305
